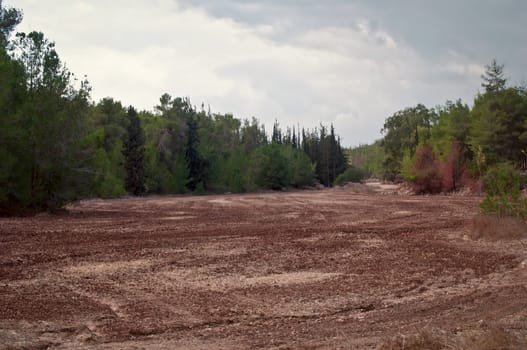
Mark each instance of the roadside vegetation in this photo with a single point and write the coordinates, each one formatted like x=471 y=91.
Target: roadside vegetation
x=503 y=210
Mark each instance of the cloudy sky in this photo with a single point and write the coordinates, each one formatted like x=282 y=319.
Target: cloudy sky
x=350 y=63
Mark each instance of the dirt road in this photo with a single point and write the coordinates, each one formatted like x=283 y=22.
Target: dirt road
x=303 y=270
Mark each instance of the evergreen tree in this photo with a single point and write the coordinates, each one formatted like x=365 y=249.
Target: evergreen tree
x=493 y=79
x=9 y=19
x=277 y=133
x=197 y=166
x=499 y=127
x=134 y=153
x=53 y=125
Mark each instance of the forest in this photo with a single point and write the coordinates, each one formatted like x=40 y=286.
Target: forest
x=453 y=146
x=57 y=145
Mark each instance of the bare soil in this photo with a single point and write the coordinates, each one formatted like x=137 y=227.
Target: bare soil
x=331 y=269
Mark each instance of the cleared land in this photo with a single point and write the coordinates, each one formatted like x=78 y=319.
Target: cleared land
x=304 y=270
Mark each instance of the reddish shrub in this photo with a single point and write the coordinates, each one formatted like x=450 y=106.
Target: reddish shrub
x=427 y=171
x=454 y=173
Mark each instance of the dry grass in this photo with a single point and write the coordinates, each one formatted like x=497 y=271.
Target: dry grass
x=425 y=339
x=496 y=228
x=491 y=338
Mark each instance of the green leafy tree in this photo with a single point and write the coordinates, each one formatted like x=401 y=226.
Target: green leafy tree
x=453 y=126
x=235 y=172
x=368 y=157
x=404 y=132
x=108 y=130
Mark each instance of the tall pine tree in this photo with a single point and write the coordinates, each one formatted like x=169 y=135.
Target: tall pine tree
x=134 y=153
x=197 y=166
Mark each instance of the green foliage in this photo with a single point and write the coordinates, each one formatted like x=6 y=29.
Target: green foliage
x=499 y=131
x=325 y=152
x=9 y=19
x=108 y=124
x=44 y=117
x=453 y=126
x=464 y=141
x=368 y=157
x=422 y=170
x=408 y=167
x=197 y=165
x=236 y=171
x=302 y=171
x=403 y=133
x=279 y=166
x=352 y=174
x=503 y=197
x=106 y=182
x=493 y=79
x=269 y=168
x=56 y=146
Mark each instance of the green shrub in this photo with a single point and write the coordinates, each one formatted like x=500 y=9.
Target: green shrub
x=269 y=168
x=352 y=174
x=503 y=199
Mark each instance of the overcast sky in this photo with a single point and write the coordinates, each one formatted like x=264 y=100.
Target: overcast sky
x=351 y=63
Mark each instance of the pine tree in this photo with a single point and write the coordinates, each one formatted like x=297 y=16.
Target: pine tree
x=9 y=19
x=134 y=153
x=493 y=79
x=277 y=133
x=197 y=166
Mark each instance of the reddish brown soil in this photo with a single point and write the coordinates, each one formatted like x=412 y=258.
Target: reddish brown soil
x=304 y=270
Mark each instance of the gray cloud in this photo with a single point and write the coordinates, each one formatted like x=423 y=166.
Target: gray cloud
x=353 y=63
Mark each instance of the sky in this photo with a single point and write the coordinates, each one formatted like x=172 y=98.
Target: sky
x=303 y=62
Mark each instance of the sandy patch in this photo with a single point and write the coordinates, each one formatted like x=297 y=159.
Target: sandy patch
x=198 y=279
x=182 y=217
x=403 y=213
x=106 y=268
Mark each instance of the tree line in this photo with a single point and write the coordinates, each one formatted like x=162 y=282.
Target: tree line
x=450 y=146
x=57 y=145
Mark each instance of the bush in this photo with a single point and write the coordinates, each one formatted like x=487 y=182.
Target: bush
x=495 y=228
x=454 y=173
x=503 y=198
x=269 y=168
x=427 y=176
x=352 y=174
x=302 y=170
